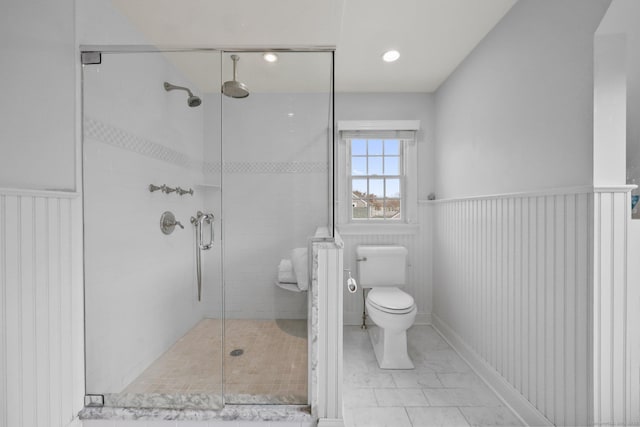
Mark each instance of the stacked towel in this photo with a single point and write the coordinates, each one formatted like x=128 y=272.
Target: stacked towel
x=295 y=270
x=299 y=260
x=285 y=272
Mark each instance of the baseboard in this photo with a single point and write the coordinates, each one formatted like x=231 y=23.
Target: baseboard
x=527 y=413
x=355 y=319
x=330 y=422
x=75 y=422
x=422 y=318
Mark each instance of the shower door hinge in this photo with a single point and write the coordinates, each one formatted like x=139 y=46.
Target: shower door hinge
x=91 y=58
x=94 y=400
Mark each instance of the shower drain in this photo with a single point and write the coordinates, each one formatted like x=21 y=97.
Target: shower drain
x=236 y=352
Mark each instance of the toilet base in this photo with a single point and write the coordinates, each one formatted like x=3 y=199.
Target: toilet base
x=390 y=348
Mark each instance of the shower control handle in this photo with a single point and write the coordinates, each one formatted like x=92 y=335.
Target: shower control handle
x=168 y=222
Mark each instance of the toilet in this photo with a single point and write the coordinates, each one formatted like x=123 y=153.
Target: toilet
x=383 y=269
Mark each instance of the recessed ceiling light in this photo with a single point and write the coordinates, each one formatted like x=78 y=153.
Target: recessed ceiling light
x=290 y=114
x=270 y=57
x=390 y=56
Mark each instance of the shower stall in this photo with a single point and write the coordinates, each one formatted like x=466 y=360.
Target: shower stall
x=204 y=172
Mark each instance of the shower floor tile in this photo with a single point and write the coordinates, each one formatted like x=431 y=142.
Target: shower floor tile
x=271 y=369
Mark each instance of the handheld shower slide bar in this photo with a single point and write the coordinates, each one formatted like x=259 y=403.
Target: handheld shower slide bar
x=199 y=222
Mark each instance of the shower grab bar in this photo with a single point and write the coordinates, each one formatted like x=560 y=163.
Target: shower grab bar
x=198 y=221
x=206 y=218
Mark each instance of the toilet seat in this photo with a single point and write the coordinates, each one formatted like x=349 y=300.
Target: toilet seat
x=391 y=300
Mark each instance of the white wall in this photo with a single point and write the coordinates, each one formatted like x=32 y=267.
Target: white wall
x=619 y=30
x=140 y=285
x=41 y=354
x=395 y=106
x=517 y=115
x=38 y=75
x=398 y=106
x=610 y=113
x=622 y=19
x=275 y=196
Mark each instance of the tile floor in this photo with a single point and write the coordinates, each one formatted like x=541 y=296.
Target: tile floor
x=441 y=391
x=272 y=368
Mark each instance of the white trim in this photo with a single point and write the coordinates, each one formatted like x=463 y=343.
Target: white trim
x=584 y=189
x=523 y=409
x=378 y=125
x=613 y=188
x=424 y=202
x=330 y=422
x=409 y=186
x=373 y=227
x=57 y=194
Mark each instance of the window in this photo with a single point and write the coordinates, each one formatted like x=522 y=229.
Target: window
x=376 y=179
x=377 y=186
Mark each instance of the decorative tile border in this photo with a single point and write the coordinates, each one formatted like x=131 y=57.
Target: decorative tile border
x=116 y=137
x=275 y=167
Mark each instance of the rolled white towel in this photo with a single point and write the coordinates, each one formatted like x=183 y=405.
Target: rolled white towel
x=285 y=272
x=299 y=260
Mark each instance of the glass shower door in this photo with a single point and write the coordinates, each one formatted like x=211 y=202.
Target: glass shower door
x=275 y=177
x=150 y=164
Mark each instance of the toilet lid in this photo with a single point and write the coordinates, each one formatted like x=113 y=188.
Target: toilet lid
x=390 y=298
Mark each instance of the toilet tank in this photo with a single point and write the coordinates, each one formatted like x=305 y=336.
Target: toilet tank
x=384 y=265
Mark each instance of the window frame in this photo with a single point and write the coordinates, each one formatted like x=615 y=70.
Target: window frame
x=400 y=177
x=408 y=132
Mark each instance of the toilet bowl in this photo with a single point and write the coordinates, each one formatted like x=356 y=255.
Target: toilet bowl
x=383 y=269
x=393 y=311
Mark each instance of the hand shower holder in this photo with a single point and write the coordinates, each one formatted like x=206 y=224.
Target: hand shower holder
x=198 y=221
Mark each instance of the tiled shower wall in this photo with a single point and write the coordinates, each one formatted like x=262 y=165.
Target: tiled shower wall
x=275 y=183
x=140 y=284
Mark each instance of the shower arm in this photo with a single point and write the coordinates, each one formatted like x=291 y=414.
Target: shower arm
x=235 y=62
x=169 y=86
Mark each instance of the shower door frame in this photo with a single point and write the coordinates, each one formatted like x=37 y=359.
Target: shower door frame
x=98 y=399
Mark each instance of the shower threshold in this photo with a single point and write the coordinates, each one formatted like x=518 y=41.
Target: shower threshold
x=272 y=413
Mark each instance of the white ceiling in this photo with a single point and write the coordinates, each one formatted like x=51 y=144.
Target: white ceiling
x=433 y=37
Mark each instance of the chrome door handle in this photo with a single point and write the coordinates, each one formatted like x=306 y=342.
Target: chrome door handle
x=206 y=218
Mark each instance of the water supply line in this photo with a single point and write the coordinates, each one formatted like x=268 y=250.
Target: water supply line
x=199 y=222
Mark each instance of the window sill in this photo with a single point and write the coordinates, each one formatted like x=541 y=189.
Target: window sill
x=364 y=229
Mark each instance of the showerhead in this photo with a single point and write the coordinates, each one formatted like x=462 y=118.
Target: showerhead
x=192 y=101
x=234 y=88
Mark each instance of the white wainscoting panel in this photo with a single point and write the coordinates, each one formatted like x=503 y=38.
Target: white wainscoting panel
x=511 y=281
x=41 y=347
x=326 y=336
x=614 y=336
